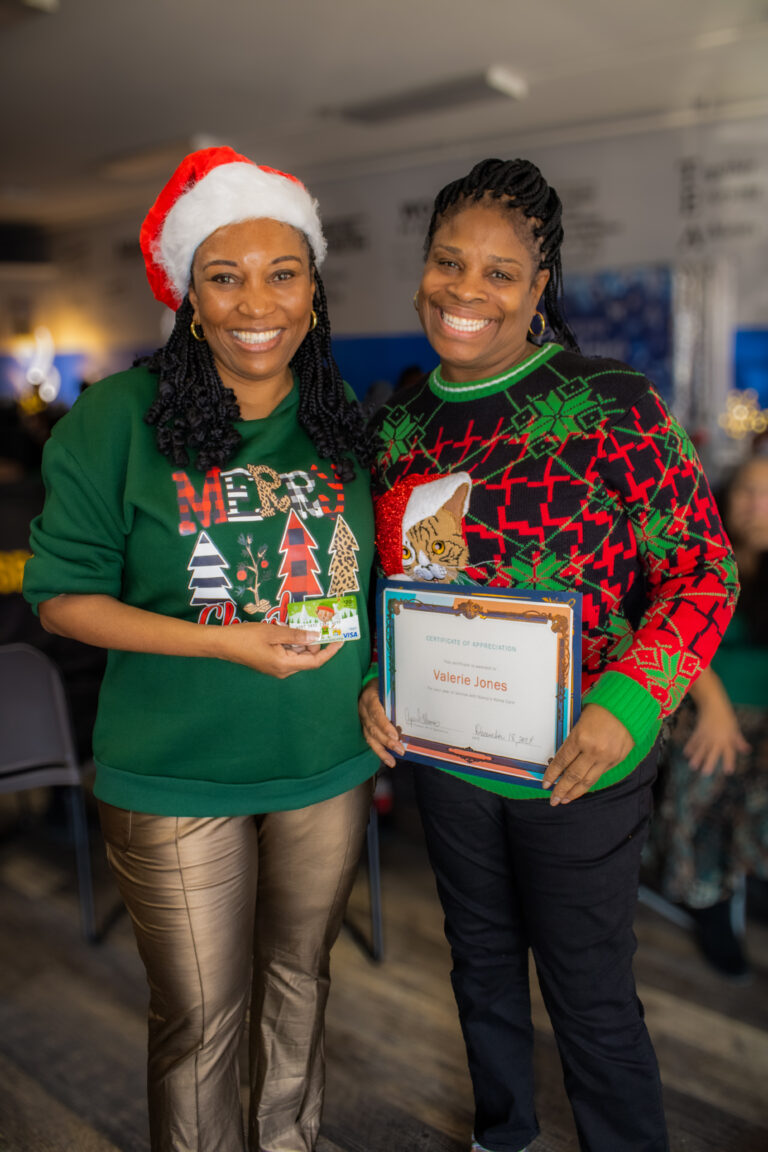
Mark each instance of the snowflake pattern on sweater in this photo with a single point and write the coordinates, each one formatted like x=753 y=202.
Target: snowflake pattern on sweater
x=581 y=479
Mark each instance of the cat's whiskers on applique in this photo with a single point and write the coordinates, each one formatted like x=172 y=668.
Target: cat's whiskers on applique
x=434 y=548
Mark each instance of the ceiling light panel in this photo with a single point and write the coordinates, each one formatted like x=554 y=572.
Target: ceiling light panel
x=494 y=83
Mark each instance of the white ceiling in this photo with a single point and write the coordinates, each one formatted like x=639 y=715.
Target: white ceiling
x=98 y=83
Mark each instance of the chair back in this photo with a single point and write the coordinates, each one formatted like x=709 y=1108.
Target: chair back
x=36 y=745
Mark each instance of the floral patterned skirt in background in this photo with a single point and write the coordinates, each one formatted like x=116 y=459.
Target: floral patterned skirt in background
x=711 y=831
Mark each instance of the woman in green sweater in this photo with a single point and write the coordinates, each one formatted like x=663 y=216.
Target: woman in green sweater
x=190 y=502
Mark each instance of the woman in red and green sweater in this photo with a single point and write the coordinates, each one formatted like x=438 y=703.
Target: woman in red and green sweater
x=577 y=477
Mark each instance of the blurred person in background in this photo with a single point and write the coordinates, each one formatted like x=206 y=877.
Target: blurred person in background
x=711 y=830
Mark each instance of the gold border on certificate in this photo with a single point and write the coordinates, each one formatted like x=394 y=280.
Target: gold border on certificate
x=479 y=680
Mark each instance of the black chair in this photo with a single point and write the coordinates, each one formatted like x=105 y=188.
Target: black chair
x=37 y=749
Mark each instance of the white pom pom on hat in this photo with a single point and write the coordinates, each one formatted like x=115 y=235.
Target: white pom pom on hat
x=210 y=189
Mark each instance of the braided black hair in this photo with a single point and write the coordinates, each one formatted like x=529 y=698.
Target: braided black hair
x=194 y=412
x=520 y=186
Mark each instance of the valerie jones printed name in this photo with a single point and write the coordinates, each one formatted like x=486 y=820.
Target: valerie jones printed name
x=461 y=678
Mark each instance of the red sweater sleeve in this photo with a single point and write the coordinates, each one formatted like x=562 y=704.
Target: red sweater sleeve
x=689 y=567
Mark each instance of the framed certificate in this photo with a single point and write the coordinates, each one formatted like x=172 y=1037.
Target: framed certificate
x=480 y=680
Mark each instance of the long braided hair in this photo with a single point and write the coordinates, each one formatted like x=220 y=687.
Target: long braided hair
x=193 y=412
x=521 y=188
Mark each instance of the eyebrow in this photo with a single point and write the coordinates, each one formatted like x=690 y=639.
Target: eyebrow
x=233 y=263
x=497 y=259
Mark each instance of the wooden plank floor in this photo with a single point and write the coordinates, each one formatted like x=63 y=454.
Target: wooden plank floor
x=72 y=1022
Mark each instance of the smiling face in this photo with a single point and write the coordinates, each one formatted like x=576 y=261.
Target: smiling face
x=251 y=290
x=479 y=290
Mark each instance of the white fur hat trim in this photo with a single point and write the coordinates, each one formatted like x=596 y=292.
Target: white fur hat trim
x=426 y=499
x=227 y=195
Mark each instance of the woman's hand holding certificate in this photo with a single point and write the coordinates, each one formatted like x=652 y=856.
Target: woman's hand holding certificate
x=597 y=742
x=378 y=730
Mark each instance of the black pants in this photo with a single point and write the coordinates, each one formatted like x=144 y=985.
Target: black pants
x=519 y=874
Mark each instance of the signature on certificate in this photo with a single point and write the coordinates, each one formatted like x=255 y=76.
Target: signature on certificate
x=420 y=717
x=507 y=737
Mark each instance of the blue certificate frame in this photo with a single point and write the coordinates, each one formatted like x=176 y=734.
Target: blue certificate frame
x=484 y=681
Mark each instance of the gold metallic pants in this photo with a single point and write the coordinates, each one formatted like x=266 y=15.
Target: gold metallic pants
x=224 y=908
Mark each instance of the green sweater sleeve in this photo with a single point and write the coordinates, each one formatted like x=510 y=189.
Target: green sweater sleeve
x=631 y=703
x=78 y=540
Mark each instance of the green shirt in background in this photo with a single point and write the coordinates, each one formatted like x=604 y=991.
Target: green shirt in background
x=742 y=666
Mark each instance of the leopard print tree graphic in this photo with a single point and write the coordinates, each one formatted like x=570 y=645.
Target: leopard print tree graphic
x=343 y=566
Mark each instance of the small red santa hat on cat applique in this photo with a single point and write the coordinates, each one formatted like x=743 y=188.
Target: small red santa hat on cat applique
x=211 y=188
x=414 y=498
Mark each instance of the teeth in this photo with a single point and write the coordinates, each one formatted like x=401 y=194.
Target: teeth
x=256 y=337
x=462 y=325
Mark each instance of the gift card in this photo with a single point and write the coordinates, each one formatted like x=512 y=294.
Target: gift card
x=335 y=618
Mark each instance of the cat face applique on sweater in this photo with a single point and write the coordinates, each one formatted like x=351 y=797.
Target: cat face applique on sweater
x=419 y=527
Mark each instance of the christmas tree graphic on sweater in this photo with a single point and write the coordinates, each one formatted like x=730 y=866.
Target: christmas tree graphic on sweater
x=209 y=582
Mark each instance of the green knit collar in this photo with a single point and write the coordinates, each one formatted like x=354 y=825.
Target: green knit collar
x=470 y=390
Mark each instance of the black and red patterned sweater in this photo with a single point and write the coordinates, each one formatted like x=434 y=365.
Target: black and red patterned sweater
x=566 y=472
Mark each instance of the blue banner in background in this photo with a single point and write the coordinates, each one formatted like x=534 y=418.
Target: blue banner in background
x=366 y=360
x=751 y=362
x=625 y=314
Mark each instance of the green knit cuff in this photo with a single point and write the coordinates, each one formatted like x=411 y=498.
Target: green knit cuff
x=371 y=674
x=629 y=702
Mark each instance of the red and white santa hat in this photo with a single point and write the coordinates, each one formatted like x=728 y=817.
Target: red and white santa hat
x=210 y=189
x=413 y=498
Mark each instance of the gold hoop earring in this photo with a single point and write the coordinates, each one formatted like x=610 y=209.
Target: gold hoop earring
x=313 y=325
x=541 y=330
x=416 y=299
x=193 y=329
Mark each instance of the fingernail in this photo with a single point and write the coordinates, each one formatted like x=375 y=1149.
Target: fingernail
x=555 y=800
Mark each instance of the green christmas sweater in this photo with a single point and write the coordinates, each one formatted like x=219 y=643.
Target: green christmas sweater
x=565 y=473
x=190 y=736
